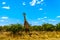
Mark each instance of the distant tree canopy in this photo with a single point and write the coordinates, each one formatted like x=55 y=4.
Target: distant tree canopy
x=15 y=28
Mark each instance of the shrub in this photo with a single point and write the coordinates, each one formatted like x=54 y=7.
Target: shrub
x=15 y=28
x=58 y=27
x=48 y=27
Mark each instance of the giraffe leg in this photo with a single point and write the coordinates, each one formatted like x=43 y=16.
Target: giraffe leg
x=26 y=30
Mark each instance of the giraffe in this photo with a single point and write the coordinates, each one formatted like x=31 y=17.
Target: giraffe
x=26 y=24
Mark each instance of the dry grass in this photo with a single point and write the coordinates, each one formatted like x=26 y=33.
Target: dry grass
x=35 y=35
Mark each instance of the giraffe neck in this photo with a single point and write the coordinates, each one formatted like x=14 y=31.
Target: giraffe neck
x=24 y=18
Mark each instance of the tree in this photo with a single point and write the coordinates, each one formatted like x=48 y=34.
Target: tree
x=36 y=28
x=58 y=27
x=15 y=28
x=48 y=27
x=1 y=28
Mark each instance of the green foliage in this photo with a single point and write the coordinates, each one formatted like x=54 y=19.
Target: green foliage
x=36 y=28
x=16 y=28
x=48 y=27
x=5 y=28
x=58 y=27
x=1 y=28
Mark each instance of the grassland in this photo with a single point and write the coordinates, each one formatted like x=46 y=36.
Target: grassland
x=34 y=35
x=18 y=32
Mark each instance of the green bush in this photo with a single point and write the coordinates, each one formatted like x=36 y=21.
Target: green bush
x=58 y=27
x=1 y=28
x=48 y=27
x=15 y=28
x=36 y=28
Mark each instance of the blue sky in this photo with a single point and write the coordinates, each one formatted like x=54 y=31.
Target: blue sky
x=37 y=11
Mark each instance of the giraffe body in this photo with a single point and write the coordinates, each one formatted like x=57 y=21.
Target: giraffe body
x=26 y=24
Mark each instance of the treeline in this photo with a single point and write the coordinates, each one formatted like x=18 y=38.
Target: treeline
x=14 y=28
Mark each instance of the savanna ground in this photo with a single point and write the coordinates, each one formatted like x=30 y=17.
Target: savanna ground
x=18 y=32
x=34 y=35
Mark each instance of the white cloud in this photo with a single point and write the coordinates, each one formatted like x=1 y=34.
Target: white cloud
x=3 y=2
x=33 y=2
x=58 y=16
x=4 y=17
x=6 y=7
x=1 y=20
x=24 y=3
x=51 y=20
x=41 y=9
x=45 y=17
x=34 y=23
x=43 y=20
x=39 y=2
x=39 y=19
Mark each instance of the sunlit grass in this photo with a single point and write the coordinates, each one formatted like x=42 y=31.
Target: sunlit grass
x=35 y=35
